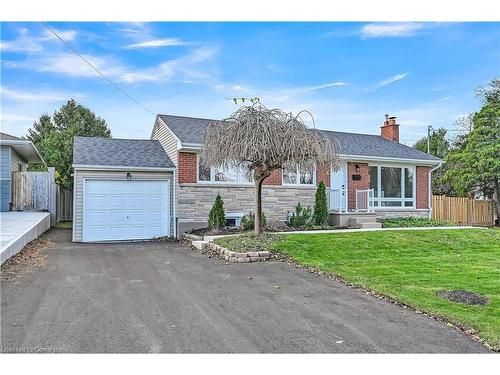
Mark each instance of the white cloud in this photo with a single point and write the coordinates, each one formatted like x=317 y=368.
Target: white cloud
x=154 y=43
x=184 y=67
x=28 y=43
x=16 y=118
x=38 y=96
x=278 y=95
x=320 y=87
x=394 y=78
x=385 y=30
x=236 y=88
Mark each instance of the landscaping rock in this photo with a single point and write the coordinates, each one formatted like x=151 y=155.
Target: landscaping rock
x=241 y=255
x=243 y=260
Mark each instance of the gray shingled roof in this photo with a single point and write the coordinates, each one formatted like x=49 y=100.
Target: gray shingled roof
x=190 y=130
x=8 y=137
x=120 y=152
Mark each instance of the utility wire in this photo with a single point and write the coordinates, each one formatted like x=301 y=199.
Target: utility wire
x=97 y=70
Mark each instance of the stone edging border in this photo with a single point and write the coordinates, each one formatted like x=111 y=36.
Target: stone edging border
x=231 y=256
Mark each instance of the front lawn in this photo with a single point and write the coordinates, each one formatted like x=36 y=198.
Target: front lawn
x=412 y=267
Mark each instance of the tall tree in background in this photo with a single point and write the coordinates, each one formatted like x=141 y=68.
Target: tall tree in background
x=53 y=137
x=474 y=162
x=439 y=147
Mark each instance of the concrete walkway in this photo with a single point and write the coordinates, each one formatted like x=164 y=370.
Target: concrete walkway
x=19 y=228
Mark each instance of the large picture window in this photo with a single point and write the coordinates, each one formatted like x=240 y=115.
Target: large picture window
x=393 y=186
x=234 y=174
x=297 y=175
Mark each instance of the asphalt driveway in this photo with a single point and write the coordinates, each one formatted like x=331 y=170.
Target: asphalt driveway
x=161 y=297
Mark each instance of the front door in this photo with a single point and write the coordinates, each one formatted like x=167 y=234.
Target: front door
x=338 y=193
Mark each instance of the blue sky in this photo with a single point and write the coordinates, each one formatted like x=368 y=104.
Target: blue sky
x=347 y=74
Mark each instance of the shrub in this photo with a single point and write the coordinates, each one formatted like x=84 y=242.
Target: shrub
x=303 y=216
x=321 y=205
x=217 y=216
x=414 y=222
x=248 y=222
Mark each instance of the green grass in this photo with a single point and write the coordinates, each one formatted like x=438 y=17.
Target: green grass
x=64 y=224
x=409 y=266
x=414 y=222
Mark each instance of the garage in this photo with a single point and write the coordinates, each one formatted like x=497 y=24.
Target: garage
x=123 y=190
x=125 y=210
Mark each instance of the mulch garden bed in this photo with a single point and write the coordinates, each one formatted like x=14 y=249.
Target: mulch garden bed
x=271 y=229
x=33 y=256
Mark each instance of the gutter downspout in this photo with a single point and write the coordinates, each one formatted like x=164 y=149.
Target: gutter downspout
x=174 y=198
x=430 y=188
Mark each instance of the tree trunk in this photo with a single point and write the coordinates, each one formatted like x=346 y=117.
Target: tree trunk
x=497 y=199
x=258 y=205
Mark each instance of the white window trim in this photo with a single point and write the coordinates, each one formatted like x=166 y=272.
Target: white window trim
x=378 y=199
x=212 y=177
x=297 y=178
x=235 y=215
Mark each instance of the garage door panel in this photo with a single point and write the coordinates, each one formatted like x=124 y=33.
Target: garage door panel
x=125 y=210
x=95 y=201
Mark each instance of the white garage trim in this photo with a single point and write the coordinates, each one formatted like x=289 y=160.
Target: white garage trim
x=120 y=168
x=166 y=217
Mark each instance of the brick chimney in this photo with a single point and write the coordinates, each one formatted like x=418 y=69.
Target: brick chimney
x=390 y=130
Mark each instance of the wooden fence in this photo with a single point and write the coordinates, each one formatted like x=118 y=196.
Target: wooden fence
x=64 y=204
x=463 y=211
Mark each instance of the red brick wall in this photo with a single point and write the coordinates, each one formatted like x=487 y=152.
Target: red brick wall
x=323 y=174
x=422 y=182
x=186 y=167
x=364 y=183
x=274 y=178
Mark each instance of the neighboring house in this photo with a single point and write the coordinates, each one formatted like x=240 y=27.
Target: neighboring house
x=138 y=189
x=123 y=190
x=399 y=176
x=15 y=154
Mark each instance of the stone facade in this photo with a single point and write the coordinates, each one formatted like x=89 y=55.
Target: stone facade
x=423 y=213
x=194 y=201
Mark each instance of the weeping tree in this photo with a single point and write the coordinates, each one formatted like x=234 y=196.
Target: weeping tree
x=263 y=140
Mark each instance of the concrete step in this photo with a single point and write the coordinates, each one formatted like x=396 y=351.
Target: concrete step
x=365 y=219
x=199 y=244
x=370 y=225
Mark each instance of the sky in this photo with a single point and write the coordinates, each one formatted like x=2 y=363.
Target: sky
x=347 y=75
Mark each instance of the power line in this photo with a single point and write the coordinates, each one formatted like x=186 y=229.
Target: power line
x=97 y=70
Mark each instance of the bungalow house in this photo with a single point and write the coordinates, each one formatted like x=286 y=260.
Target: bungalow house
x=377 y=175
x=15 y=154
x=123 y=188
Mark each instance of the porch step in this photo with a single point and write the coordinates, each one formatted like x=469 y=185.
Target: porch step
x=364 y=221
x=369 y=225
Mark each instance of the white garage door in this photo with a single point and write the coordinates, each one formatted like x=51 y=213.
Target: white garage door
x=125 y=210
